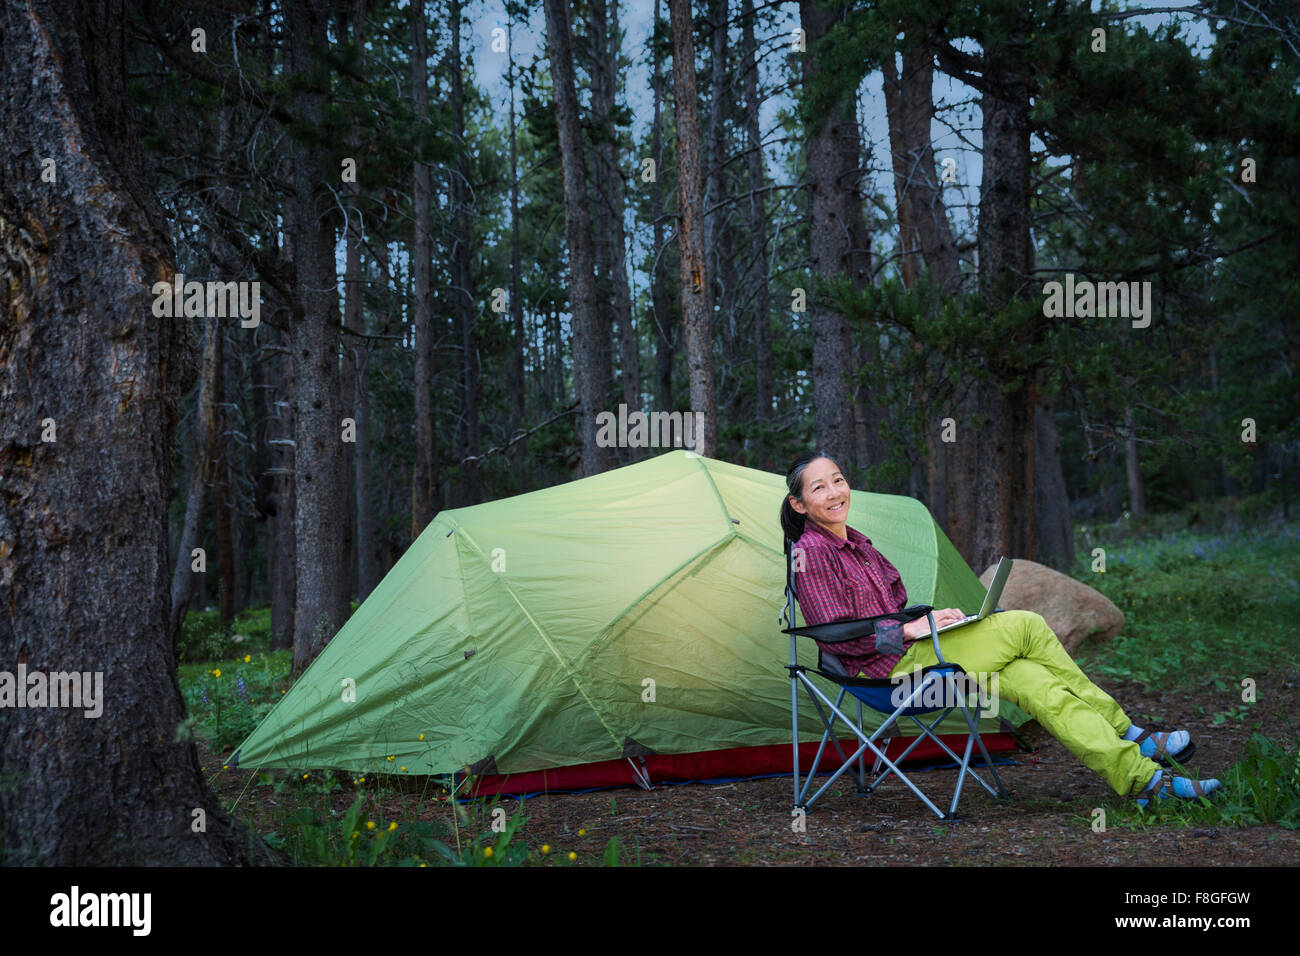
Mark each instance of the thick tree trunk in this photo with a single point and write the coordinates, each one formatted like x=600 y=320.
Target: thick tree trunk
x=665 y=322
x=516 y=384
x=422 y=481
x=83 y=515
x=612 y=241
x=471 y=487
x=322 y=592
x=924 y=231
x=591 y=374
x=992 y=486
x=697 y=292
x=757 y=220
x=838 y=244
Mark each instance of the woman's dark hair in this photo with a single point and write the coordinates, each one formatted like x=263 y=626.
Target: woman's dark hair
x=791 y=520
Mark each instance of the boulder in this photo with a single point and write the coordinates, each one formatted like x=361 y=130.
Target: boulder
x=1072 y=609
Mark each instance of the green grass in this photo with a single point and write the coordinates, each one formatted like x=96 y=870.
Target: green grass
x=1201 y=611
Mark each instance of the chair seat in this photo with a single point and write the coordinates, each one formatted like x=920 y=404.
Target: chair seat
x=882 y=698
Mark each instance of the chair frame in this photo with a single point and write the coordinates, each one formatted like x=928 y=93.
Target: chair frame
x=945 y=671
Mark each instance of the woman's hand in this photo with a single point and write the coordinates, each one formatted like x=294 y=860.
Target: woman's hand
x=913 y=630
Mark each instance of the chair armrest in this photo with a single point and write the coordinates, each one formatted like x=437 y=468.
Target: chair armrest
x=837 y=632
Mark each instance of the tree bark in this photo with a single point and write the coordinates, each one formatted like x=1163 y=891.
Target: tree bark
x=422 y=481
x=611 y=238
x=665 y=318
x=591 y=375
x=202 y=459
x=516 y=384
x=757 y=219
x=322 y=593
x=83 y=517
x=471 y=487
x=837 y=240
x=697 y=292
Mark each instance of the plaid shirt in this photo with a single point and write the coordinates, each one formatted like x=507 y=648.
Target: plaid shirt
x=846 y=580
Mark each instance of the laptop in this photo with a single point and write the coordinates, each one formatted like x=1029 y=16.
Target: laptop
x=990 y=599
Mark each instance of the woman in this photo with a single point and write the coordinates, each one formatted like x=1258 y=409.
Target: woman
x=840 y=576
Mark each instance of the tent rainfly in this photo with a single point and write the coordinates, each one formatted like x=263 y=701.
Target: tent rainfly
x=617 y=629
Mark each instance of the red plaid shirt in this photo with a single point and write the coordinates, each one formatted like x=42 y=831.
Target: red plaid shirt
x=846 y=580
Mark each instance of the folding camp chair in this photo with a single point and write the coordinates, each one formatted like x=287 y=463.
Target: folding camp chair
x=881 y=695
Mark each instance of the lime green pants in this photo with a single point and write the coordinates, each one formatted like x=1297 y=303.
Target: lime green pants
x=1038 y=676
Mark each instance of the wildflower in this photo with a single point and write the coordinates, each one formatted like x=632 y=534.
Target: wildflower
x=546 y=848
x=392 y=826
x=421 y=736
x=403 y=770
x=304 y=776
x=392 y=758
x=247 y=658
x=355 y=834
x=572 y=856
x=217 y=672
x=487 y=852
x=363 y=779
x=582 y=832
x=370 y=824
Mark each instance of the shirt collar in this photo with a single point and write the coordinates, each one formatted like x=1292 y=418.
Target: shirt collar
x=856 y=538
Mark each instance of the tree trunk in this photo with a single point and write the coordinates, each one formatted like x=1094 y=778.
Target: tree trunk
x=591 y=375
x=838 y=246
x=471 y=486
x=202 y=459
x=516 y=384
x=422 y=480
x=924 y=231
x=83 y=563
x=992 y=492
x=697 y=293
x=612 y=241
x=757 y=220
x=322 y=594
x=665 y=324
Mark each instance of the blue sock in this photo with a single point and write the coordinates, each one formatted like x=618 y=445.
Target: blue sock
x=1154 y=781
x=1132 y=732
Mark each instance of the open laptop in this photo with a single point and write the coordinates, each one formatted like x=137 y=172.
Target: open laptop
x=990 y=599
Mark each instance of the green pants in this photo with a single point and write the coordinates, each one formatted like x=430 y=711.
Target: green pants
x=1038 y=676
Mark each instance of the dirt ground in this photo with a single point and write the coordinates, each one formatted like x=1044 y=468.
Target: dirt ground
x=1046 y=823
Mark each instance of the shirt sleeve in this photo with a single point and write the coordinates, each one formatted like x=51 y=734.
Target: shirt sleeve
x=824 y=598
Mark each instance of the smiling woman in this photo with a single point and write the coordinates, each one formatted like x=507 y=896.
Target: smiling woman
x=840 y=576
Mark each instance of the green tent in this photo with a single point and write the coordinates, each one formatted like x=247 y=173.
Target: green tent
x=633 y=614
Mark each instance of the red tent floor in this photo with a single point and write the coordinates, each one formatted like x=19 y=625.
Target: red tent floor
x=709 y=764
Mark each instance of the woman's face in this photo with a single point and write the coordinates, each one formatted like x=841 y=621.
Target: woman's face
x=825 y=494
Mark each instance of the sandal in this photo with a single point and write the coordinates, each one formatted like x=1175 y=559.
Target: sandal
x=1182 y=787
x=1154 y=746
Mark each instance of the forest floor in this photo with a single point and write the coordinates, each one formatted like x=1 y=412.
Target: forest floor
x=1048 y=821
